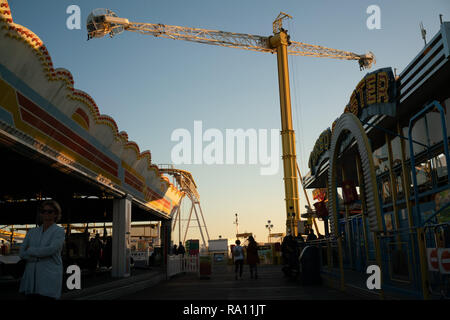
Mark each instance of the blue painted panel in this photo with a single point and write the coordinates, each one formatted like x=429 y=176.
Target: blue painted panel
x=6 y=116
x=445 y=31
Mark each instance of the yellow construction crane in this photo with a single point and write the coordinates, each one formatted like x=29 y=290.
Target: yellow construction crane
x=103 y=21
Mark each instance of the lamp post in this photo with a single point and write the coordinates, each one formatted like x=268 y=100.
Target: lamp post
x=269 y=226
x=237 y=224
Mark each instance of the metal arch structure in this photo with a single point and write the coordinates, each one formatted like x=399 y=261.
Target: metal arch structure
x=187 y=185
x=349 y=122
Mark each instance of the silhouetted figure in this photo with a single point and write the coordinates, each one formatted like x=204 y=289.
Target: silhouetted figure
x=107 y=252
x=95 y=250
x=238 y=255
x=174 y=249
x=252 y=256
x=290 y=253
x=3 y=252
x=311 y=236
x=181 y=250
x=300 y=243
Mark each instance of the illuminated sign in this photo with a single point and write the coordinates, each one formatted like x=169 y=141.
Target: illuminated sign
x=322 y=145
x=375 y=94
x=319 y=194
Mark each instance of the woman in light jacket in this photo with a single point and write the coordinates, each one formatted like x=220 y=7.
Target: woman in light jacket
x=41 y=249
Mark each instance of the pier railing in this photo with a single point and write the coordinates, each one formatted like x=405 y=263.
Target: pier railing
x=401 y=261
x=177 y=264
x=437 y=240
x=415 y=261
x=328 y=252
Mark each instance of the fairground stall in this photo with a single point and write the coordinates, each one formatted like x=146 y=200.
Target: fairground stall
x=381 y=179
x=55 y=144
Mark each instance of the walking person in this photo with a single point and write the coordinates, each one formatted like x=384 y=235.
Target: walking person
x=252 y=257
x=238 y=254
x=41 y=249
x=181 y=250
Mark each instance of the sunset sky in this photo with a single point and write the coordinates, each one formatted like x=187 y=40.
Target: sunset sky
x=151 y=87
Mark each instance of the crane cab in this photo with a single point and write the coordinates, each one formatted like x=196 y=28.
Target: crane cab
x=101 y=22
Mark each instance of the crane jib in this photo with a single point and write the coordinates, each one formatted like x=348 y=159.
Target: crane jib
x=110 y=23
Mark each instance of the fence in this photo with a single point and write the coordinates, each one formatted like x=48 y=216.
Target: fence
x=178 y=264
x=437 y=240
x=141 y=257
x=400 y=262
x=328 y=252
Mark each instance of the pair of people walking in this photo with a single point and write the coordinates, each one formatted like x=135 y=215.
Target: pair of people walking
x=178 y=250
x=252 y=258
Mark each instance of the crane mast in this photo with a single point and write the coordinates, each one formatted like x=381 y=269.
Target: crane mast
x=103 y=21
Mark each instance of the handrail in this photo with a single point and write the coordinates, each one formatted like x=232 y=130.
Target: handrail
x=443 y=291
x=437 y=212
x=393 y=133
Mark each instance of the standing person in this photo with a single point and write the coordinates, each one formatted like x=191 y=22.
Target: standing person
x=97 y=248
x=107 y=256
x=92 y=265
x=300 y=243
x=311 y=235
x=238 y=254
x=174 y=249
x=94 y=252
x=290 y=251
x=284 y=250
x=3 y=252
x=41 y=249
x=181 y=249
x=252 y=256
x=293 y=252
